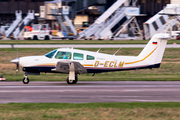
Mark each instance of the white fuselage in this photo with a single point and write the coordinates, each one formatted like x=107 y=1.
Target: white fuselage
x=100 y=62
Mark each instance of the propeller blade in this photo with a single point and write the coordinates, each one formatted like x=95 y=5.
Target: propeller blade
x=17 y=64
x=17 y=68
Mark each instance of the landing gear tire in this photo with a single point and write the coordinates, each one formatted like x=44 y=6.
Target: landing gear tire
x=35 y=38
x=72 y=81
x=26 y=80
x=46 y=38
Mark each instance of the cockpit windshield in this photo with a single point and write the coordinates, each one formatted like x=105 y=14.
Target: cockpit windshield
x=51 y=54
x=36 y=27
x=63 y=55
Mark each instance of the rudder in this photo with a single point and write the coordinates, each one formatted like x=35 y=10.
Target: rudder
x=154 y=50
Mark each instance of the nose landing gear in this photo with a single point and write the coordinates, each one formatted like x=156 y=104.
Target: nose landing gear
x=25 y=79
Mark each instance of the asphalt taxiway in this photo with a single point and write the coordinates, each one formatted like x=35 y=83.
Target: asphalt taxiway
x=90 y=91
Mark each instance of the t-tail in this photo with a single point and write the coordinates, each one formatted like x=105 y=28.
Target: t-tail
x=153 y=52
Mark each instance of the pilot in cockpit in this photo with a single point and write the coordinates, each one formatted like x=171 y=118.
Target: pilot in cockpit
x=64 y=55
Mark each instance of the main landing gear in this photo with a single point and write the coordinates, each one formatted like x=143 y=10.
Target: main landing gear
x=25 y=79
x=72 y=81
x=73 y=77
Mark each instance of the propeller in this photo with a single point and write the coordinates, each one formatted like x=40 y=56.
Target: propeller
x=17 y=68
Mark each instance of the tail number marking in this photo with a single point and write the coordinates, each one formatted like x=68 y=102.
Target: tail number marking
x=109 y=64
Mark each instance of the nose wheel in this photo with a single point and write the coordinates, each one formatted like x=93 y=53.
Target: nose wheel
x=25 y=79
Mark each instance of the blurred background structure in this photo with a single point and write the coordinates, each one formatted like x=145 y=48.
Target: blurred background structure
x=86 y=11
x=82 y=13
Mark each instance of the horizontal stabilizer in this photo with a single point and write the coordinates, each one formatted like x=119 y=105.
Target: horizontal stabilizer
x=163 y=36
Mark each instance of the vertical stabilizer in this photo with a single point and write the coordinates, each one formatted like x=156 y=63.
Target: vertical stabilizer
x=154 y=50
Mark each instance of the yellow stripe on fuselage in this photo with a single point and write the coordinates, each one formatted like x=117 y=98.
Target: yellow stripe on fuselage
x=149 y=54
x=142 y=59
x=47 y=64
x=88 y=65
x=133 y=62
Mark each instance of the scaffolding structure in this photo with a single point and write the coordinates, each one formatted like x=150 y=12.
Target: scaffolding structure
x=114 y=20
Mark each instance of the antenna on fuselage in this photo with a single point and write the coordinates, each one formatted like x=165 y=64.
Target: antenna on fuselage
x=117 y=51
x=99 y=49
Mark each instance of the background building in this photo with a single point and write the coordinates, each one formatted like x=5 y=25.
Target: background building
x=79 y=8
x=175 y=1
x=148 y=7
x=8 y=8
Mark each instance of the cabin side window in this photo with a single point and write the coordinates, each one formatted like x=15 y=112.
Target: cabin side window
x=162 y=20
x=89 y=57
x=63 y=55
x=78 y=56
x=51 y=54
x=155 y=25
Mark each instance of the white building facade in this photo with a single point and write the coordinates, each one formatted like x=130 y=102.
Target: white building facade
x=175 y=1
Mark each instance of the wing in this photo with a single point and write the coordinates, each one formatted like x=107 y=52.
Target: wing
x=63 y=66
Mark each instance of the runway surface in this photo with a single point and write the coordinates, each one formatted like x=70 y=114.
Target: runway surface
x=85 y=92
x=84 y=46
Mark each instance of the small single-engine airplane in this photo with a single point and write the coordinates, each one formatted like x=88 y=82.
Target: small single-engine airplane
x=73 y=62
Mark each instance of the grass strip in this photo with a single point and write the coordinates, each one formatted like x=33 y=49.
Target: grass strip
x=32 y=106
x=89 y=111
x=80 y=41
